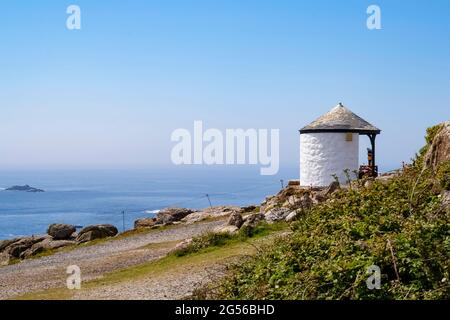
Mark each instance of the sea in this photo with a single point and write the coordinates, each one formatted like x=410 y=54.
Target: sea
x=119 y=197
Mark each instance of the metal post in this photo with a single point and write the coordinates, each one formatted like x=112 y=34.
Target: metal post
x=123 y=221
x=372 y=142
x=209 y=200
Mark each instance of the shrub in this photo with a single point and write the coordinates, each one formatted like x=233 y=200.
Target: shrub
x=429 y=137
x=207 y=240
x=397 y=225
x=212 y=239
x=443 y=175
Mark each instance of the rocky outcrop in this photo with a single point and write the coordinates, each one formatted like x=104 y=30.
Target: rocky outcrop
x=183 y=245
x=323 y=195
x=291 y=216
x=252 y=220
x=46 y=244
x=96 y=232
x=439 y=150
x=171 y=215
x=226 y=229
x=59 y=236
x=25 y=188
x=14 y=248
x=235 y=220
x=276 y=214
x=248 y=209
x=22 y=248
x=144 y=223
x=6 y=243
x=210 y=213
x=188 y=216
x=60 y=231
x=295 y=197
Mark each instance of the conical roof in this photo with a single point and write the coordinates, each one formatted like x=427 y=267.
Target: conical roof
x=340 y=119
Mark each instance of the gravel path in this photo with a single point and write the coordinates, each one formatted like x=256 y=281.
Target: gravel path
x=174 y=286
x=96 y=260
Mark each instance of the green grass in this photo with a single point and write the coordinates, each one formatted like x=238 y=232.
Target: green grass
x=215 y=240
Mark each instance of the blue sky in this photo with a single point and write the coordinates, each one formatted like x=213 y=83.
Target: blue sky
x=110 y=94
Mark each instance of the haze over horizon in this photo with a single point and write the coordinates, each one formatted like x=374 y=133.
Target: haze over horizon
x=110 y=95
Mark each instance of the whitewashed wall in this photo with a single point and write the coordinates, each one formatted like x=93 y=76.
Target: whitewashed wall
x=325 y=154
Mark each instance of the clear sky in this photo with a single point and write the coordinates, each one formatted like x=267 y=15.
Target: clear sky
x=111 y=93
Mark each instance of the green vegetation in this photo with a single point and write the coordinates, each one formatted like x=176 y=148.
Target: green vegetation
x=443 y=175
x=214 y=240
x=431 y=133
x=400 y=225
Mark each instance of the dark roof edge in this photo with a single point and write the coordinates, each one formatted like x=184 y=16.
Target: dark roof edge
x=360 y=131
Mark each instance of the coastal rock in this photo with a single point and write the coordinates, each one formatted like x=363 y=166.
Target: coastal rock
x=291 y=197
x=22 y=244
x=253 y=219
x=334 y=186
x=439 y=150
x=248 y=209
x=323 y=195
x=295 y=197
x=60 y=231
x=6 y=243
x=276 y=214
x=291 y=216
x=196 y=217
x=46 y=244
x=210 y=213
x=25 y=188
x=54 y=244
x=183 y=244
x=73 y=236
x=235 y=220
x=170 y=215
x=96 y=232
x=304 y=201
x=226 y=229
x=31 y=252
x=144 y=223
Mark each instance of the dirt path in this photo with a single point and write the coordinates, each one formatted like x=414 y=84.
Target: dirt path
x=173 y=277
x=171 y=285
x=96 y=260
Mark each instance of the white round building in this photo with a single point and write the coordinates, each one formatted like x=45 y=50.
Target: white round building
x=329 y=146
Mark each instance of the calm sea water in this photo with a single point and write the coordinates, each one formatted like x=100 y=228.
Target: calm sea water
x=93 y=197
